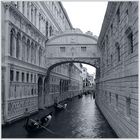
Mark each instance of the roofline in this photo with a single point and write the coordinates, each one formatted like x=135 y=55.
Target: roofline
x=68 y=34
x=107 y=19
x=65 y=13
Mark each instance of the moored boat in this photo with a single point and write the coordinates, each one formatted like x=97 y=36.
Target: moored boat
x=60 y=107
x=35 y=125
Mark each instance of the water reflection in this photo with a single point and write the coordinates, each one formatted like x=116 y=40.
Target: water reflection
x=82 y=119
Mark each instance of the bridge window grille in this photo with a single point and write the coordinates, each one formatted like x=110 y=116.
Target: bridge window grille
x=62 y=49
x=83 y=49
x=11 y=75
x=22 y=77
x=128 y=102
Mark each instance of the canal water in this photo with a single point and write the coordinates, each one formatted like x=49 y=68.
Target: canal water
x=81 y=119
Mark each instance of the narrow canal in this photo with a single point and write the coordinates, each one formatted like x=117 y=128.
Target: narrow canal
x=81 y=119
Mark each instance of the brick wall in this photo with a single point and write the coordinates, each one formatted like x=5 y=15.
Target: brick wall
x=117 y=86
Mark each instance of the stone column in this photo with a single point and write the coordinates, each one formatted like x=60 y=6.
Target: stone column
x=37 y=19
x=20 y=6
x=14 y=45
x=20 y=49
x=7 y=32
x=25 y=12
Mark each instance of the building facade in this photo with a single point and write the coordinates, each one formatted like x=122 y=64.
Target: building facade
x=26 y=26
x=117 y=81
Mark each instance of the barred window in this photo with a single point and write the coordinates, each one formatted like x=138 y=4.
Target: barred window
x=83 y=49
x=62 y=49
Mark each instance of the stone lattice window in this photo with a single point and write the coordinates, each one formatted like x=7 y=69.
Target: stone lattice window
x=83 y=49
x=62 y=49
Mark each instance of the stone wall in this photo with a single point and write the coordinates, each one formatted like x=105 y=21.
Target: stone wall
x=117 y=86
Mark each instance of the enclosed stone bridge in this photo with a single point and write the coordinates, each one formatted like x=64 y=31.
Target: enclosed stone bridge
x=72 y=47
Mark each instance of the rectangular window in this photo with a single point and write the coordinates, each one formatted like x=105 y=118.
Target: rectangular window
x=27 y=77
x=62 y=49
x=116 y=101
x=110 y=97
x=83 y=49
x=11 y=75
x=17 y=76
x=22 y=77
x=111 y=59
x=111 y=29
x=128 y=102
x=34 y=78
x=130 y=42
x=118 y=15
x=31 y=78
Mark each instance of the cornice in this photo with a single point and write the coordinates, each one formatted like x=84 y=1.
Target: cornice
x=25 y=19
x=51 y=16
x=70 y=34
x=107 y=19
x=65 y=13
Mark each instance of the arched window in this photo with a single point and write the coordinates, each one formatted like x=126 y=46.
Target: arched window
x=28 y=9
x=28 y=49
x=12 y=42
x=23 y=7
x=35 y=53
x=50 y=30
x=23 y=47
x=40 y=54
x=47 y=29
x=18 y=45
x=118 y=51
x=32 y=10
x=32 y=52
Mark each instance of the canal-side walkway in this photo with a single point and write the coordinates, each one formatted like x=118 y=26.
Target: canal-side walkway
x=81 y=119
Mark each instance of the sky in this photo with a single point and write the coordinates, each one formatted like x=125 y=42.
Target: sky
x=87 y=16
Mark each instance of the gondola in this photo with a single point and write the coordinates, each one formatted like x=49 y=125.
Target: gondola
x=60 y=107
x=36 y=125
x=80 y=96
